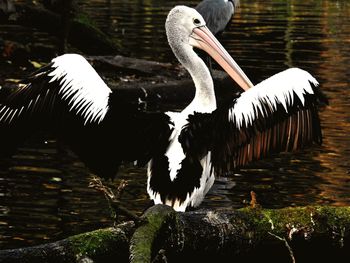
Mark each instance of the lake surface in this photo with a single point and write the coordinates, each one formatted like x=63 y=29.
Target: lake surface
x=44 y=192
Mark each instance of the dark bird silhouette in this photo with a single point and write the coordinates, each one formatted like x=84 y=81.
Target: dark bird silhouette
x=218 y=16
x=217 y=13
x=184 y=150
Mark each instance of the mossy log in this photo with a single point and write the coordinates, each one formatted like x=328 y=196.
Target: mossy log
x=103 y=245
x=298 y=234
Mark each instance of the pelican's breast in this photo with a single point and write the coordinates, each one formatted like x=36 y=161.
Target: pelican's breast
x=175 y=152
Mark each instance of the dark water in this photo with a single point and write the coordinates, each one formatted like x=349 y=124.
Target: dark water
x=43 y=189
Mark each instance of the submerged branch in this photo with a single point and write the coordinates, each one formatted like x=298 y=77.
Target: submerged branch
x=284 y=240
x=113 y=198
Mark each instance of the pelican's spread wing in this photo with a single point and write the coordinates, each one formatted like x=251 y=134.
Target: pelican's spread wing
x=66 y=91
x=69 y=79
x=279 y=114
x=68 y=98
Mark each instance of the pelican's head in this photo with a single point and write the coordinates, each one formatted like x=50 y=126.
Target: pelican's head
x=186 y=28
x=185 y=19
x=179 y=26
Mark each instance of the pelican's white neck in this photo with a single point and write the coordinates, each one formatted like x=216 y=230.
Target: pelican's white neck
x=204 y=99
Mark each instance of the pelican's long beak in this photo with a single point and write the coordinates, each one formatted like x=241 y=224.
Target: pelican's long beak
x=202 y=38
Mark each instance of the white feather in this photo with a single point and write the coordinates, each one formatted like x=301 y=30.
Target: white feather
x=175 y=153
x=90 y=98
x=206 y=182
x=277 y=89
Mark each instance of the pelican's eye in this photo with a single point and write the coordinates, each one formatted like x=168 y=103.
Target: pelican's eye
x=196 y=22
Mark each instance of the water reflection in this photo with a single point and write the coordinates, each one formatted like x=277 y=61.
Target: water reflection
x=43 y=189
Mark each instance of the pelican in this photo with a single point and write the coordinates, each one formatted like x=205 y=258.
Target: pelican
x=184 y=150
x=278 y=114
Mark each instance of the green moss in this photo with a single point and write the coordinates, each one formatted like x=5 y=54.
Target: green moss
x=96 y=242
x=143 y=239
x=286 y=222
x=252 y=218
x=335 y=215
x=83 y=18
x=292 y=217
x=335 y=220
